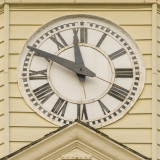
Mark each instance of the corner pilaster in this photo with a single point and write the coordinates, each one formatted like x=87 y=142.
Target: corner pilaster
x=154 y=81
x=6 y=78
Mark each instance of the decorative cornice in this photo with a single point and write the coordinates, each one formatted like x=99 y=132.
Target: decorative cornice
x=2 y=2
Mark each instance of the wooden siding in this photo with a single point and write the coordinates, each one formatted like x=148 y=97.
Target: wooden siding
x=145 y=149
x=1 y=83
x=2 y=150
x=15 y=146
x=2 y=120
x=158 y=151
x=158 y=83
x=134 y=129
x=121 y=17
x=1 y=107
x=1 y=135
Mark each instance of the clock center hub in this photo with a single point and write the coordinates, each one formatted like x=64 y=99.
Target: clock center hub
x=66 y=84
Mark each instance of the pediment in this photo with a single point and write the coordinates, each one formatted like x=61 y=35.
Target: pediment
x=76 y=151
x=75 y=141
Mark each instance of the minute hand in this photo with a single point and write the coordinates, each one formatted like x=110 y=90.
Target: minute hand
x=78 y=55
x=75 y=67
x=77 y=52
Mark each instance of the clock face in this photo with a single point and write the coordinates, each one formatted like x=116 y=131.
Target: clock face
x=60 y=95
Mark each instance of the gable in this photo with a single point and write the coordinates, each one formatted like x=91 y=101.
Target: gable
x=76 y=141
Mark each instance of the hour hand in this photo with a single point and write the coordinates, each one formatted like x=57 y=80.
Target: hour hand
x=75 y=67
x=77 y=54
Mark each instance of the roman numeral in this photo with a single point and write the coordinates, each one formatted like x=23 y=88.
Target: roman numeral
x=83 y=35
x=59 y=44
x=103 y=107
x=101 y=40
x=33 y=74
x=124 y=73
x=118 y=92
x=60 y=107
x=117 y=54
x=75 y=31
x=82 y=113
x=78 y=111
x=43 y=93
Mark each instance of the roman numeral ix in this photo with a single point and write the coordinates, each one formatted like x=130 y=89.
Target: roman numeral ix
x=82 y=112
x=117 y=54
x=61 y=44
x=118 y=92
x=43 y=93
x=60 y=107
x=33 y=75
x=123 y=72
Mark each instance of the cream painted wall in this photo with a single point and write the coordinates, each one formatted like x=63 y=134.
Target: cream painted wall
x=25 y=126
x=1 y=82
x=158 y=80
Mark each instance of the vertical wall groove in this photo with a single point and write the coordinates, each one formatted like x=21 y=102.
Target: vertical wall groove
x=6 y=78
x=154 y=81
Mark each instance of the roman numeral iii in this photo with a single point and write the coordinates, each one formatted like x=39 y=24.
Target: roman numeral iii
x=118 y=92
x=43 y=93
x=124 y=73
x=33 y=75
x=61 y=44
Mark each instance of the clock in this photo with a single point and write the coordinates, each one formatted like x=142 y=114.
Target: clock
x=81 y=67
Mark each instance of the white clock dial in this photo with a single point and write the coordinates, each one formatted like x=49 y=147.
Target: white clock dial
x=60 y=95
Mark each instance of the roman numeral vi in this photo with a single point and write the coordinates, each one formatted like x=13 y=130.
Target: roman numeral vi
x=82 y=112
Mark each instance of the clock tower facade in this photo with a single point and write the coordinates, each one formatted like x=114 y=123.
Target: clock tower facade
x=26 y=26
